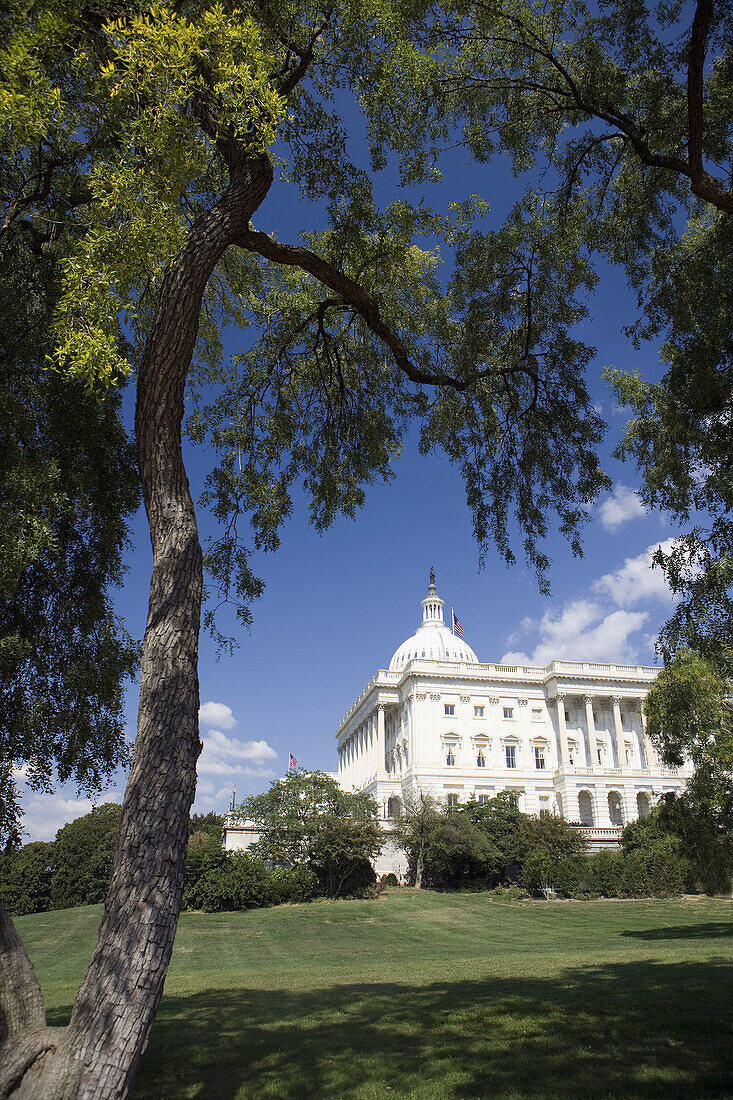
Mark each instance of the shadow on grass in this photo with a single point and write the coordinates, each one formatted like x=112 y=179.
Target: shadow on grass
x=639 y=1029
x=684 y=932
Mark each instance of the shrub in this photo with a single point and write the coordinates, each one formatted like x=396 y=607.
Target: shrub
x=292 y=884
x=233 y=883
x=389 y=880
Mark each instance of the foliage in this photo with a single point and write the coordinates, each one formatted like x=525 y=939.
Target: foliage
x=623 y=110
x=219 y=881
x=458 y=851
x=549 y=836
x=83 y=854
x=209 y=824
x=306 y=820
x=68 y=485
x=342 y=853
x=26 y=878
x=413 y=828
x=499 y=819
x=690 y=717
x=657 y=870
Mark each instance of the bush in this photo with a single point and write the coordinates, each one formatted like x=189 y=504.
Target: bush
x=232 y=883
x=292 y=884
x=656 y=872
x=389 y=880
x=357 y=883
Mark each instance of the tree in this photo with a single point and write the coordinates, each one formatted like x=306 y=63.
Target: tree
x=83 y=854
x=548 y=836
x=139 y=147
x=620 y=113
x=26 y=878
x=458 y=851
x=412 y=829
x=68 y=484
x=306 y=820
x=499 y=819
x=690 y=718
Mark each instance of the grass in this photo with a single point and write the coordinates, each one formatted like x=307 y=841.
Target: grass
x=430 y=996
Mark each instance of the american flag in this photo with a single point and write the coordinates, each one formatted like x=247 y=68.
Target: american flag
x=457 y=628
x=292 y=762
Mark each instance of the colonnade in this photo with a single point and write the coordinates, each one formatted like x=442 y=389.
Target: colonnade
x=362 y=753
x=618 y=733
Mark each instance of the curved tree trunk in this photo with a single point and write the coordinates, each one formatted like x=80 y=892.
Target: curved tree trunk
x=98 y=1054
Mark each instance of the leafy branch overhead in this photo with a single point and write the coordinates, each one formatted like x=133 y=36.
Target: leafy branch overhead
x=157 y=113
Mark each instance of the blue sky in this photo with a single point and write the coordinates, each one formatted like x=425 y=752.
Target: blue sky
x=337 y=605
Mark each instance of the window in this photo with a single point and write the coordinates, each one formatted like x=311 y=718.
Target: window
x=567 y=715
x=480 y=759
x=629 y=755
x=514 y=798
x=601 y=750
x=511 y=756
x=544 y=806
x=539 y=757
x=478 y=712
x=536 y=714
x=452 y=801
x=450 y=758
x=449 y=708
x=571 y=752
x=508 y=712
x=483 y=799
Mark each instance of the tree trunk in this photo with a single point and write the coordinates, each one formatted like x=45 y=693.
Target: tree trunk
x=97 y=1056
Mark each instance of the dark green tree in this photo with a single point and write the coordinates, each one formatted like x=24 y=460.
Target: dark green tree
x=690 y=719
x=26 y=878
x=68 y=485
x=83 y=854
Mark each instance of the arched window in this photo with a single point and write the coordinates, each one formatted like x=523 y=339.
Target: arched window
x=642 y=804
x=585 y=807
x=394 y=806
x=615 y=811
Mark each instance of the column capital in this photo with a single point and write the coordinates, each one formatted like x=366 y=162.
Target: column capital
x=616 y=700
x=588 y=699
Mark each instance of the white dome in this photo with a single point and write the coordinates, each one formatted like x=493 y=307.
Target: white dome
x=433 y=640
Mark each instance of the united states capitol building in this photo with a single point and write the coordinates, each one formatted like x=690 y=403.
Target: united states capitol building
x=566 y=739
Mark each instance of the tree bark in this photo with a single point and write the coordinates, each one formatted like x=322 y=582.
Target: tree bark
x=98 y=1055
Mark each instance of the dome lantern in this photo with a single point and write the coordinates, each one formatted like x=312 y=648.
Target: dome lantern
x=432 y=640
x=432 y=605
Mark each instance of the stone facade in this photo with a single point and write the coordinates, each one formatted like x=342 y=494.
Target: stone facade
x=565 y=739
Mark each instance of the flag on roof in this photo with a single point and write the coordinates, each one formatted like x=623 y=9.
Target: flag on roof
x=457 y=628
x=292 y=763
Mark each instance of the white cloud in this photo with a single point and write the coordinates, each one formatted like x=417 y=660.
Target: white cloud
x=622 y=505
x=217 y=714
x=44 y=814
x=226 y=762
x=583 y=631
x=637 y=580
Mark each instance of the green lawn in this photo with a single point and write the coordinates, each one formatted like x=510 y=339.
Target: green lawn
x=430 y=995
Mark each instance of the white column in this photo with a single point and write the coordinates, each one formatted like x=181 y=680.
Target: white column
x=380 y=738
x=652 y=760
x=591 y=724
x=619 y=732
x=563 y=730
